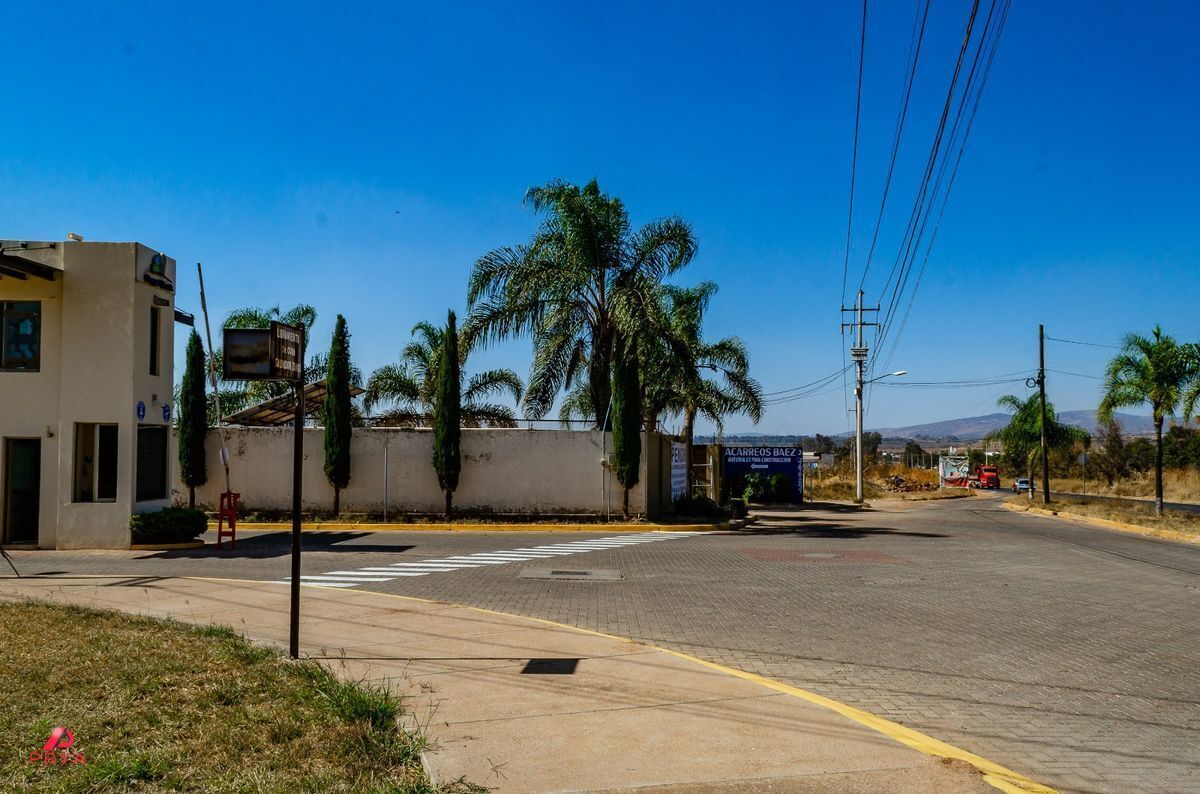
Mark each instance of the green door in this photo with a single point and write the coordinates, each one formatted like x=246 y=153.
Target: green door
x=22 y=489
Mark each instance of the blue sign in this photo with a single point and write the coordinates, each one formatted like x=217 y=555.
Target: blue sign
x=166 y=413
x=141 y=410
x=772 y=463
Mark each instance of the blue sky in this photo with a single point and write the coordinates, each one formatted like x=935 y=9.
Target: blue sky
x=361 y=157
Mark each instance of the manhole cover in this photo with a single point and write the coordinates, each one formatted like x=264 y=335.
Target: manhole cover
x=580 y=575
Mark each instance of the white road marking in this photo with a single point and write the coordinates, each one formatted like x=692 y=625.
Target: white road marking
x=478 y=559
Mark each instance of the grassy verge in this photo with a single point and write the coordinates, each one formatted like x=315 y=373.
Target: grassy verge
x=1179 y=485
x=1186 y=524
x=160 y=706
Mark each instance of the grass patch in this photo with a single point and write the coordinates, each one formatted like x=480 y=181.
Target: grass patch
x=161 y=706
x=1179 y=485
x=1138 y=515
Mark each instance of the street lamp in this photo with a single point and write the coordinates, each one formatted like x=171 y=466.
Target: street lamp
x=858 y=431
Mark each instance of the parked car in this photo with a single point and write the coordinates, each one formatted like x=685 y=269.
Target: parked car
x=1023 y=484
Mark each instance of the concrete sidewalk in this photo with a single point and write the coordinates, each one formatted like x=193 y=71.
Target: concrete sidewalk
x=517 y=704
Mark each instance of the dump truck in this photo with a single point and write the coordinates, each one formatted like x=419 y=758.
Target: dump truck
x=986 y=477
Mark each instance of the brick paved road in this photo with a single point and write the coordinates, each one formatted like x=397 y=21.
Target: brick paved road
x=1067 y=653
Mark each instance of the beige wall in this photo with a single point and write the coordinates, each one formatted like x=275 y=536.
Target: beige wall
x=504 y=471
x=29 y=400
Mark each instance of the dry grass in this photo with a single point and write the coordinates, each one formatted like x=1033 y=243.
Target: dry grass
x=1138 y=515
x=1179 y=485
x=839 y=485
x=159 y=706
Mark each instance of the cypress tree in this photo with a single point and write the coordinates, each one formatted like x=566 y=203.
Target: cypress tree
x=627 y=419
x=447 y=405
x=193 y=420
x=336 y=412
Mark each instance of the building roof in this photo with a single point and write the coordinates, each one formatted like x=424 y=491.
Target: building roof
x=280 y=411
x=21 y=260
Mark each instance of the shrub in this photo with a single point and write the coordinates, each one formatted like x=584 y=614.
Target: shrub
x=757 y=488
x=169 y=525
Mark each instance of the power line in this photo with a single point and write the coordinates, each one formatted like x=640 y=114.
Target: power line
x=819 y=381
x=862 y=48
x=897 y=270
x=1077 y=342
x=910 y=74
x=1075 y=374
x=958 y=159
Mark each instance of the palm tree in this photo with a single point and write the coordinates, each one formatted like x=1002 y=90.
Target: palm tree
x=584 y=278
x=675 y=361
x=407 y=390
x=1022 y=436
x=1155 y=370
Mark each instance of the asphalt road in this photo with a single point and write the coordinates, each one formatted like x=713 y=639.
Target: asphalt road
x=1066 y=653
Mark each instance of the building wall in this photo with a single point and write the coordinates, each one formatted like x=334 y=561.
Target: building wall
x=504 y=471
x=94 y=369
x=30 y=399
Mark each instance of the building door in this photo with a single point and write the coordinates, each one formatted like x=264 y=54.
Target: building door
x=22 y=489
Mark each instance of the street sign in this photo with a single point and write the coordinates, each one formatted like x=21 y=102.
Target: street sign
x=263 y=353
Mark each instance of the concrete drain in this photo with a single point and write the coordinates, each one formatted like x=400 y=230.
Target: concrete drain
x=576 y=575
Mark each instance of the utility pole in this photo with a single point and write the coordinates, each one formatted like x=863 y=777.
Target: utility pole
x=859 y=354
x=1042 y=389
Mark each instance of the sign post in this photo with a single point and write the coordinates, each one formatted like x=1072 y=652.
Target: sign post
x=276 y=353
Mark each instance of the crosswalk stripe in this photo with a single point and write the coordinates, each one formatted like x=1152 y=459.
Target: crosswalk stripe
x=346 y=578
x=412 y=568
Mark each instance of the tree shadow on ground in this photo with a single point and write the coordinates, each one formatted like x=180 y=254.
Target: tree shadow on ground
x=262 y=545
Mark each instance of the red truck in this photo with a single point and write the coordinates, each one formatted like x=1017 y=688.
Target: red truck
x=986 y=477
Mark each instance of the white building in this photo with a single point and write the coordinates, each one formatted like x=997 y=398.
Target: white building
x=86 y=355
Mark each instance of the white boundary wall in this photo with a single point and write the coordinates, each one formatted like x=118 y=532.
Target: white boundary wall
x=503 y=471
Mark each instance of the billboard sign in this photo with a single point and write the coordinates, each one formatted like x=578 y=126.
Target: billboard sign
x=678 y=470
x=767 y=461
x=274 y=353
x=954 y=471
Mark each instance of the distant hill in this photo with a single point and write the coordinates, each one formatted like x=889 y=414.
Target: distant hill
x=974 y=428
x=971 y=428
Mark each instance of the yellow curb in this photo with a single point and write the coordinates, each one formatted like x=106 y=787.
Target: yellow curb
x=1163 y=534
x=994 y=774
x=602 y=528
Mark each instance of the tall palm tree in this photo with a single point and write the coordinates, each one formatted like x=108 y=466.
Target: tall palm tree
x=675 y=364
x=407 y=390
x=583 y=279
x=1155 y=370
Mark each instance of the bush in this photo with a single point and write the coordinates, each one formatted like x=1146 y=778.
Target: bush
x=757 y=488
x=169 y=525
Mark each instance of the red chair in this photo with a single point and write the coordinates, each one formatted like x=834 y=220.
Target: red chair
x=228 y=512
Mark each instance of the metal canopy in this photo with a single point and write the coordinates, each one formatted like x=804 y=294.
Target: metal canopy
x=281 y=411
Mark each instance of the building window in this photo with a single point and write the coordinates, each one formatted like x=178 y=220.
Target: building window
x=151 y=462
x=95 y=463
x=155 y=325
x=20 y=335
